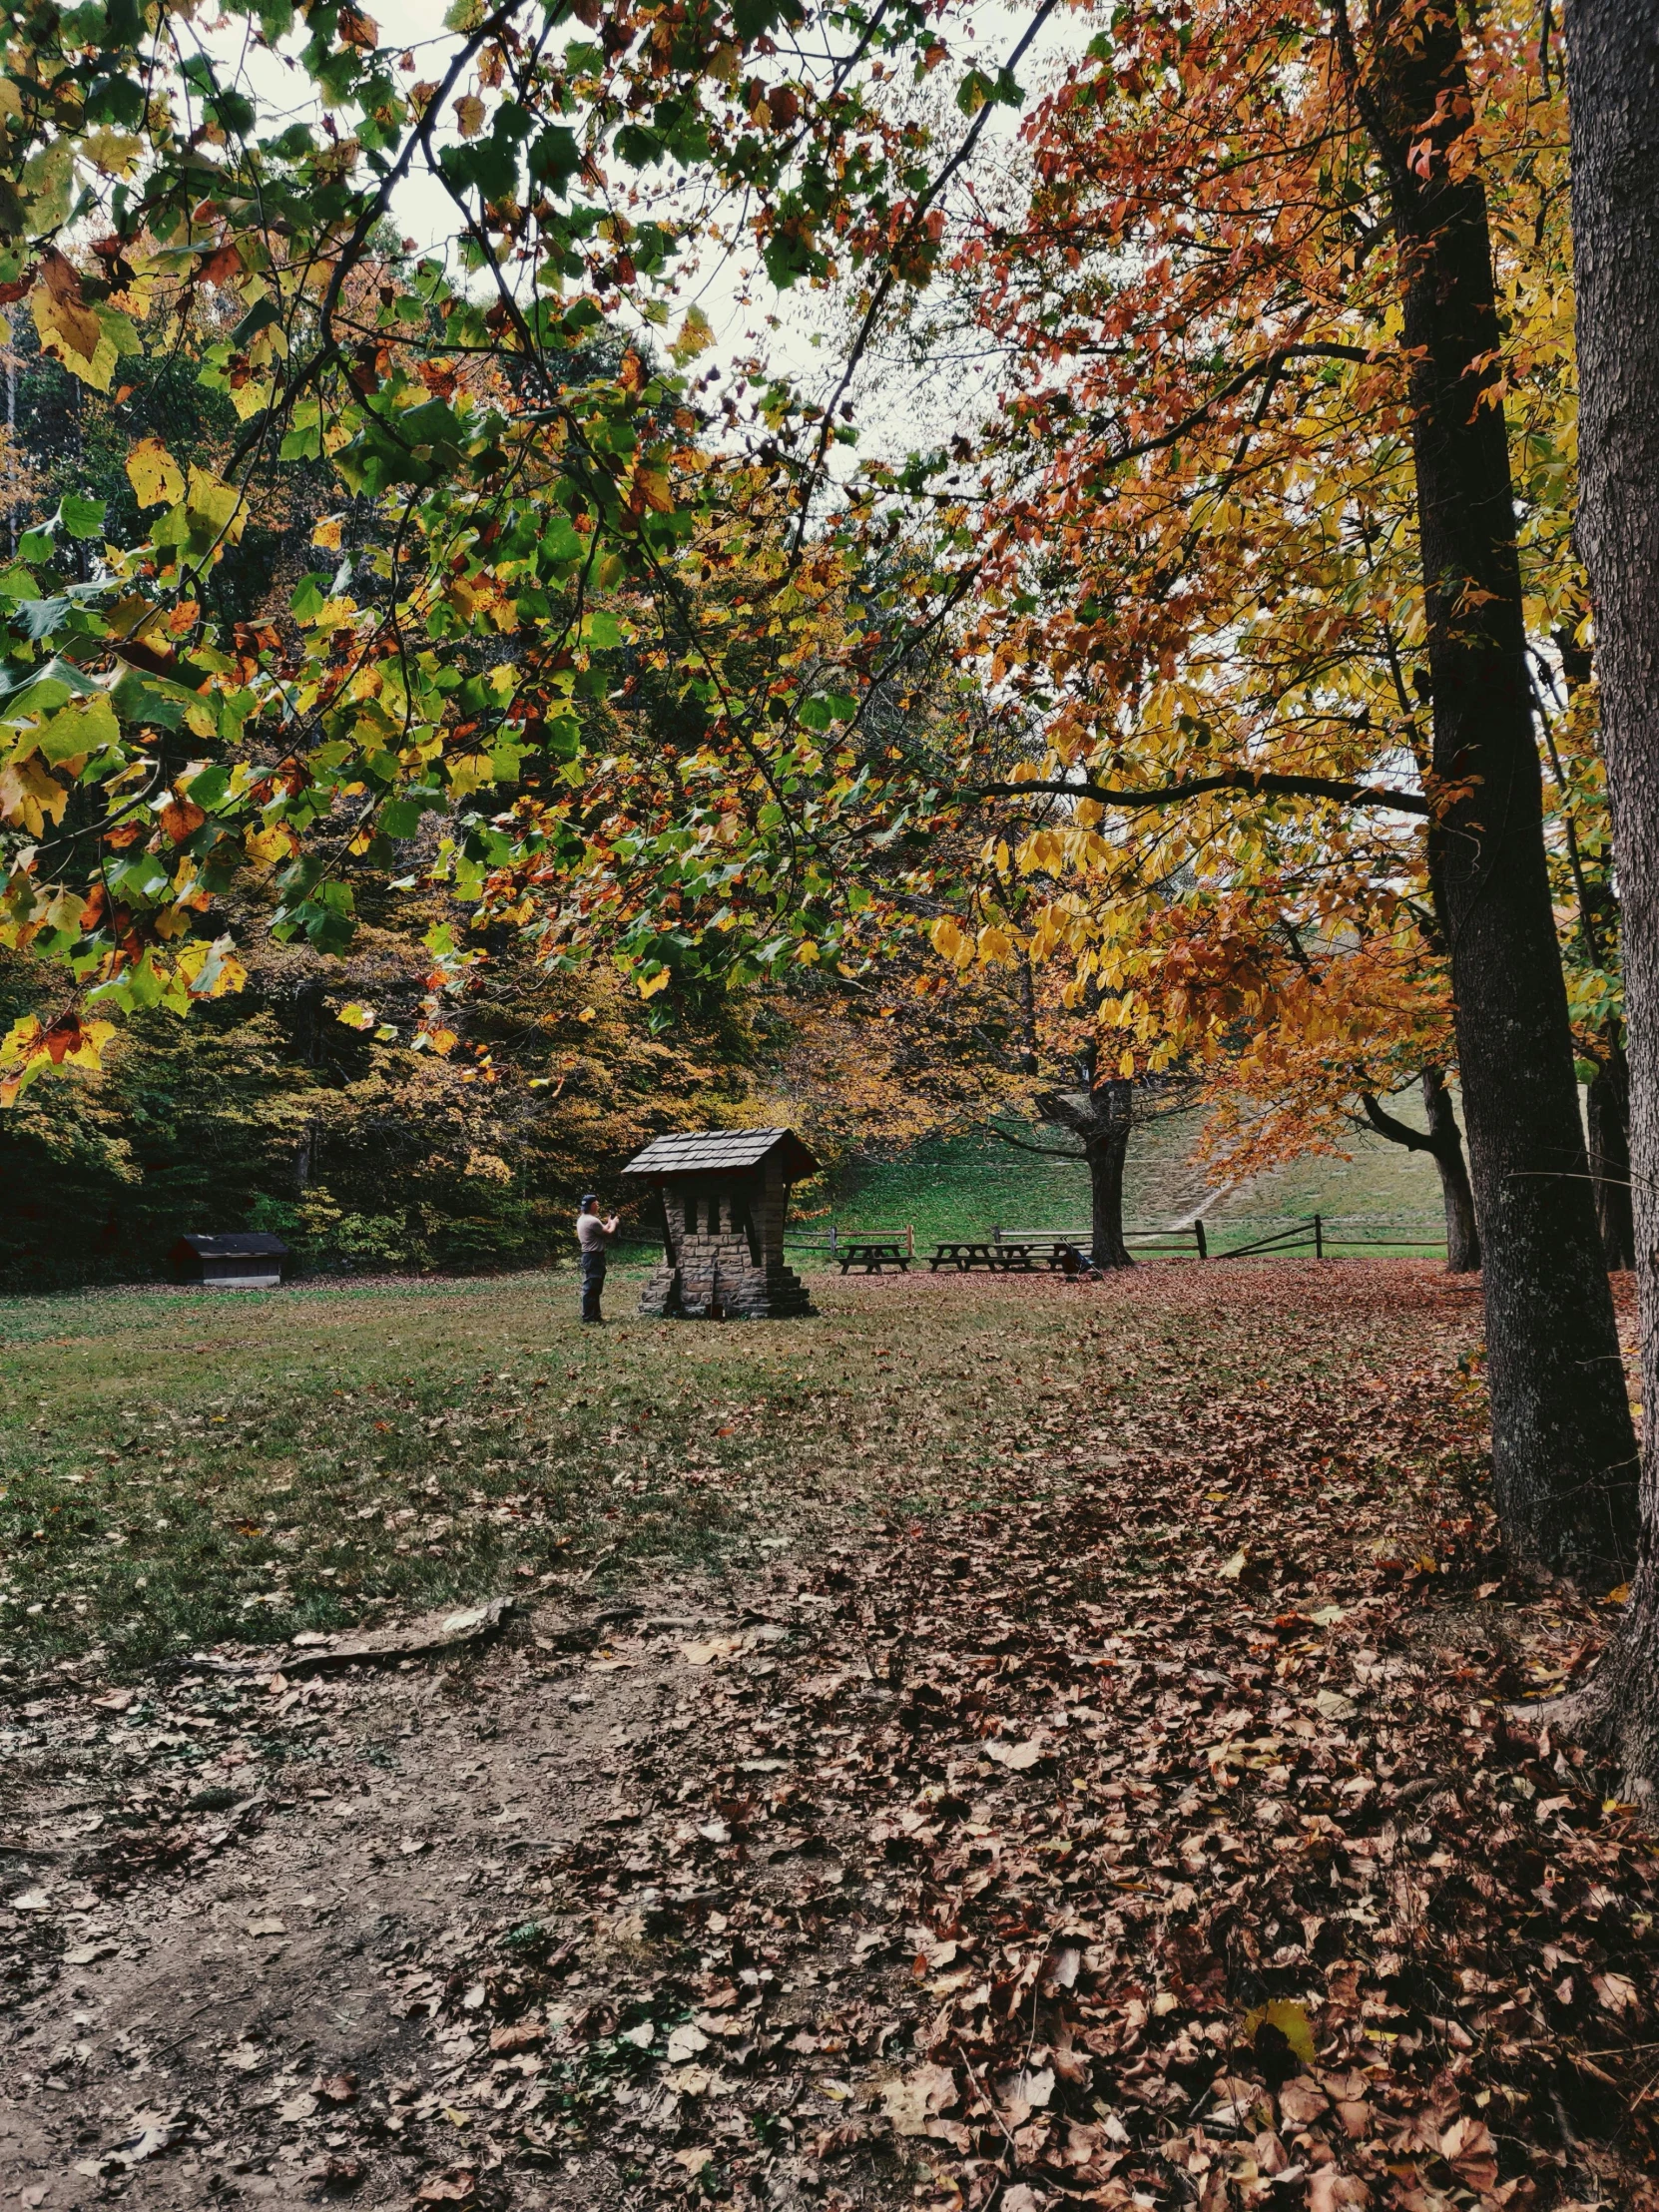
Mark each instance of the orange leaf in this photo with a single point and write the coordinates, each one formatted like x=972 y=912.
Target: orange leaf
x=180 y=817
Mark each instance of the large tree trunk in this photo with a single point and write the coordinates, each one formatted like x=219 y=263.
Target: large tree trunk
x=1442 y=1139
x=1609 y=1118
x=1563 y=1452
x=1101 y=1119
x=1613 y=87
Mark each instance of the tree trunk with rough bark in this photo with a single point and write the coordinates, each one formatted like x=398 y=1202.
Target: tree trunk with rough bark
x=1608 y=1111
x=1462 y=1238
x=1563 y=1451
x=1101 y=1120
x=1442 y=1139
x=1613 y=91
x=1029 y=1059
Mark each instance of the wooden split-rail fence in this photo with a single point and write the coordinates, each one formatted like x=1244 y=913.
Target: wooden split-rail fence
x=1022 y=1251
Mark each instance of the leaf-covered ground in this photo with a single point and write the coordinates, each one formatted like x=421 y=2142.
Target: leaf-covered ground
x=1113 y=1785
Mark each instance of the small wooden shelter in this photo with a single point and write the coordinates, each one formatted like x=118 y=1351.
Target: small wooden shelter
x=245 y=1260
x=724 y=1193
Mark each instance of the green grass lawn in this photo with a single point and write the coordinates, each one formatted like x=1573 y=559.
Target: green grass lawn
x=178 y=1468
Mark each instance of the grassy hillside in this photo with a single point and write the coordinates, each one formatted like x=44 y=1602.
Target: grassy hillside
x=964 y=1187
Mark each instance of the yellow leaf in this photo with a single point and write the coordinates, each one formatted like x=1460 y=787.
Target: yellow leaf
x=1292 y=2022
x=651 y=489
x=154 y=474
x=470 y=114
x=355 y=1016
x=327 y=532
x=73 y=334
x=696 y=337
x=116 y=153
x=217 y=504
x=29 y=796
x=32 y=1048
x=19 y=1040
x=248 y=399
x=265 y=848
x=211 y=970
x=650 y=985
x=1126 y=1065
x=470 y=772
x=948 y=940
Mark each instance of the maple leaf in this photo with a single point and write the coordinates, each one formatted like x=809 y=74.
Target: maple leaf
x=911 y=2100
x=30 y=796
x=1469 y=2149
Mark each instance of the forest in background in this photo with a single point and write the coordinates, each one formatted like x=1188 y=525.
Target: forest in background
x=265 y=1110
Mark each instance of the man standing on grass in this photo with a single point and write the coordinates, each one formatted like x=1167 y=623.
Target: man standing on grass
x=592 y=1235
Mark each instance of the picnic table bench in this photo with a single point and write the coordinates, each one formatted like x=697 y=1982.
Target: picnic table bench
x=984 y=1252
x=1008 y=1254
x=872 y=1254
x=963 y=1253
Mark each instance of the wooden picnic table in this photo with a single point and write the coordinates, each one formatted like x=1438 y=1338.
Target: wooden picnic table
x=963 y=1253
x=872 y=1254
x=1017 y=1255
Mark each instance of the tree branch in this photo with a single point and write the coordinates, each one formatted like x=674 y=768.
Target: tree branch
x=1242 y=780
x=1396 y=1132
x=1043 y=1151
x=1271 y=366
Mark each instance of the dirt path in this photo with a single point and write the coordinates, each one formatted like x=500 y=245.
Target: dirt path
x=233 y=1989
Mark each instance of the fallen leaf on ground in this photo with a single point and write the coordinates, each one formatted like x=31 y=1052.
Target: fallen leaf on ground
x=913 y=2099
x=1018 y=1758
x=455 y=2187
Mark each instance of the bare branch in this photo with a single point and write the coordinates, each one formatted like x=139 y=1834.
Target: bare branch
x=1043 y=1151
x=1246 y=780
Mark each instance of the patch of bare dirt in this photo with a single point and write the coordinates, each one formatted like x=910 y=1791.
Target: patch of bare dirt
x=229 y=1904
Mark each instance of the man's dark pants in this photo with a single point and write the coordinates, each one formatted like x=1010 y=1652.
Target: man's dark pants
x=592 y=1285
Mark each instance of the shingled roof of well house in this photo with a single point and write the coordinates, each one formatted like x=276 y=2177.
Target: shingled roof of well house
x=715 y=1150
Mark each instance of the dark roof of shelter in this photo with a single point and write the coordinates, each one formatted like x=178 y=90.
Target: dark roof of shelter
x=239 y=1245
x=719 y=1151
